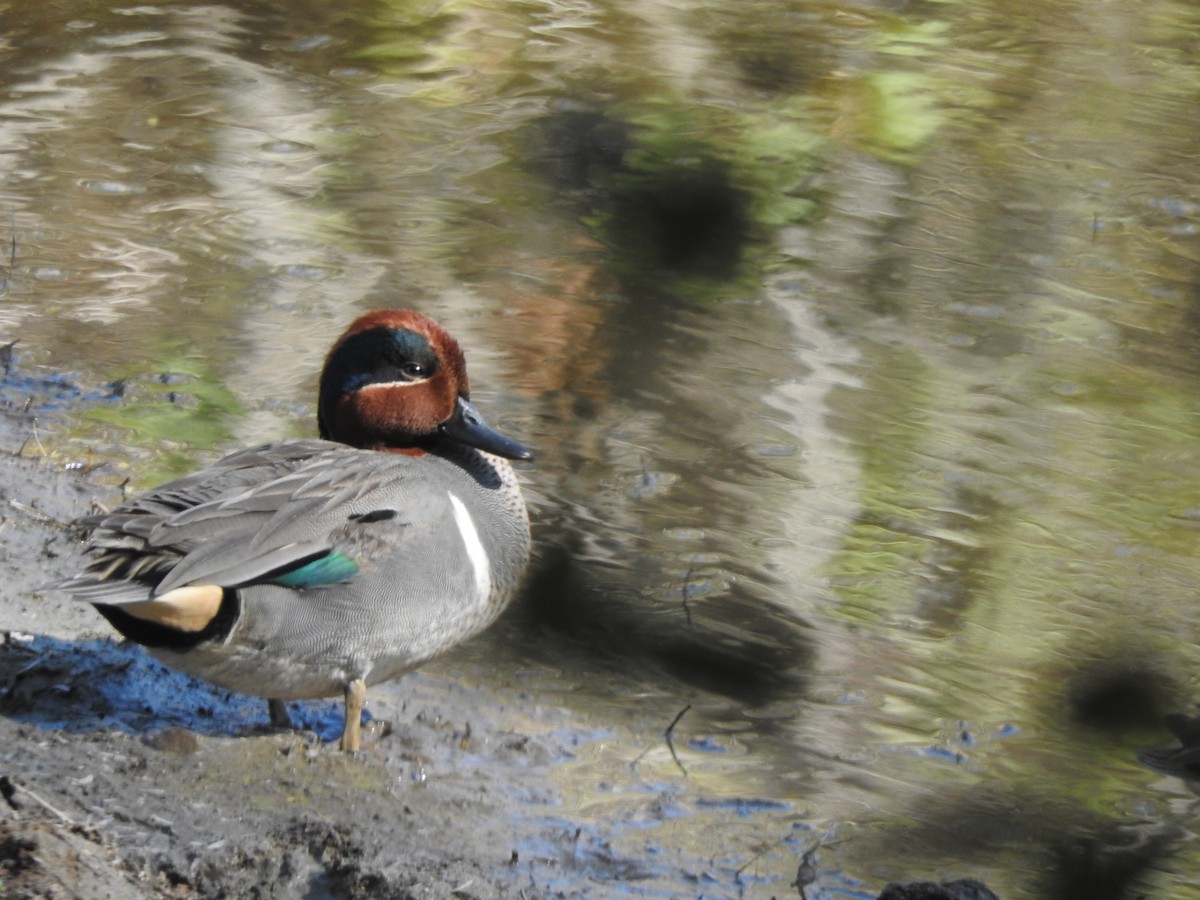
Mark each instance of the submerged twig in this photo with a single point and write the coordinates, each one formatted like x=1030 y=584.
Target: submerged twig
x=670 y=740
x=806 y=872
x=37 y=440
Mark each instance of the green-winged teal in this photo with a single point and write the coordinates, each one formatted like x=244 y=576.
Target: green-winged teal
x=311 y=568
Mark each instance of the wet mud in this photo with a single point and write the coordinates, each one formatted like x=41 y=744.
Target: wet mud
x=125 y=779
x=120 y=778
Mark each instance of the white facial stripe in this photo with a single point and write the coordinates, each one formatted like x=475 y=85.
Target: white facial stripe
x=379 y=385
x=475 y=551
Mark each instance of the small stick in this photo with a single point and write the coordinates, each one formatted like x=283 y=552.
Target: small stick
x=37 y=440
x=9 y=789
x=671 y=741
x=26 y=510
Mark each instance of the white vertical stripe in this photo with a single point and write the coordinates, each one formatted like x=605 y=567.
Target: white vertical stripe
x=475 y=551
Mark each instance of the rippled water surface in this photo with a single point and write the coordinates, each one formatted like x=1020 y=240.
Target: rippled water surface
x=858 y=342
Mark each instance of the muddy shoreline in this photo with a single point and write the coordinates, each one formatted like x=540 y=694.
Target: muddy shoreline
x=121 y=778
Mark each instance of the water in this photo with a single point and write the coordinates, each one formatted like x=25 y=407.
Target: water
x=858 y=344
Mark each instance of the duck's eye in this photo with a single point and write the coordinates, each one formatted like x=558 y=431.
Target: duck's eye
x=413 y=369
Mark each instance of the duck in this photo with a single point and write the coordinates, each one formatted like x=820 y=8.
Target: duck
x=312 y=568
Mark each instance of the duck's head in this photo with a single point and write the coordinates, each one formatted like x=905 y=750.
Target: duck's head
x=395 y=380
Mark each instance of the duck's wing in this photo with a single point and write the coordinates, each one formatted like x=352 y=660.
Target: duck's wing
x=302 y=529
x=292 y=513
x=137 y=517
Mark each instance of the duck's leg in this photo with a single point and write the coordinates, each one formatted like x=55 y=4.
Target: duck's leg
x=279 y=714
x=356 y=696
